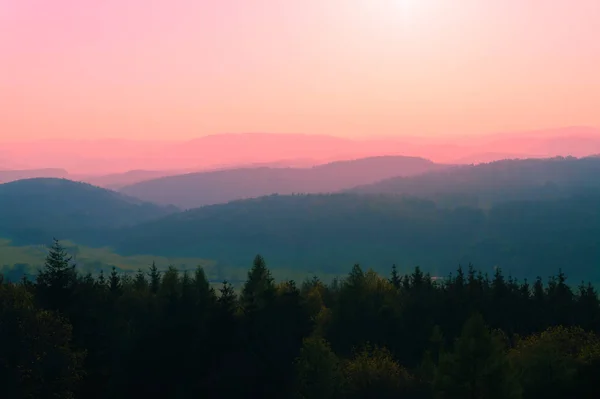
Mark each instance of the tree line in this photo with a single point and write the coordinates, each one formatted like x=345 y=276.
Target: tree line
x=168 y=334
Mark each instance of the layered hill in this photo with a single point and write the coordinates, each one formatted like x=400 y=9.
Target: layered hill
x=501 y=181
x=327 y=233
x=538 y=216
x=6 y=176
x=35 y=210
x=207 y=188
x=116 y=156
x=114 y=181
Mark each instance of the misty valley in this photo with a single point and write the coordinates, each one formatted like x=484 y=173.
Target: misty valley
x=402 y=278
x=530 y=217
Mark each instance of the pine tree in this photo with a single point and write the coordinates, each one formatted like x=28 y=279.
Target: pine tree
x=57 y=280
x=560 y=298
x=417 y=278
x=259 y=288
x=432 y=354
x=101 y=283
x=396 y=280
x=588 y=307
x=139 y=282
x=154 y=278
x=170 y=286
x=459 y=280
x=114 y=282
x=204 y=292
x=356 y=278
x=187 y=290
x=227 y=298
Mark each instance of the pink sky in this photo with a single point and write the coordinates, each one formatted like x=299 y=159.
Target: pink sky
x=187 y=68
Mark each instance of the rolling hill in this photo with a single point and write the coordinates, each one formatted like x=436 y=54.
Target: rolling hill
x=501 y=181
x=114 y=181
x=35 y=210
x=327 y=233
x=530 y=217
x=6 y=176
x=207 y=188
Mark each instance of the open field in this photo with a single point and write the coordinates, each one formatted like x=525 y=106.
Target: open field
x=88 y=259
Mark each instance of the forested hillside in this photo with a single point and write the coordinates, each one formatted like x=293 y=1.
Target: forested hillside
x=328 y=232
x=528 y=217
x=35 y=210
x=193 y=190
x=170 y=335
x=502 y=181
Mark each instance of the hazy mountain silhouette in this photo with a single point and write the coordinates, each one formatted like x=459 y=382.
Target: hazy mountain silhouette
x=500 y=181
x=488 y=157
x=117 y=180
x=41 y=208
x=12 y=175
x=228 y=150
x=198 y=189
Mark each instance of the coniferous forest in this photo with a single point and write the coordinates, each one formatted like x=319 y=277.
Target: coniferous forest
x=166 y=334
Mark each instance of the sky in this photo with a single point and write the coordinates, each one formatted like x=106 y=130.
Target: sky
x=178 y=69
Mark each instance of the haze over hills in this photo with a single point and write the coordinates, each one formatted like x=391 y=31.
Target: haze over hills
x=325 y=233
x=35 y=210
x=101 y=157
x=279 y=199
x=501 y=181
x=115 y=181
x=488 y=157
x=12 y=175
x=206 y=188
x=528 y=216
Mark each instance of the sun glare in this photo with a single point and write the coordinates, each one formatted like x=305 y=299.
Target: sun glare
x=407 y=10
x=405 y=5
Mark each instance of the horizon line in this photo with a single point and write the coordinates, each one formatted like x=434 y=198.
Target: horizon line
x=443 y=136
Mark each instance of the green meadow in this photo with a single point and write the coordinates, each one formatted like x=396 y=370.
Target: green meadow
x=29 y=258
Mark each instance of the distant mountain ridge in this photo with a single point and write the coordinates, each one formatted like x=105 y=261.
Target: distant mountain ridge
x=7 y=176
x=206 y=188
x=95 y=157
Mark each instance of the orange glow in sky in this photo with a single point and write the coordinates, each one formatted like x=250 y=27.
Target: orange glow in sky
x=353 y=68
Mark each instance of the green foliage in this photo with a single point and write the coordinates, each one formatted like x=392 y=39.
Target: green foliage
x=373 y=373
x=318 y=370
x=36 y=357
x=477 y=367
x=19 y=260
x=168 y=333
x=550 y=364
